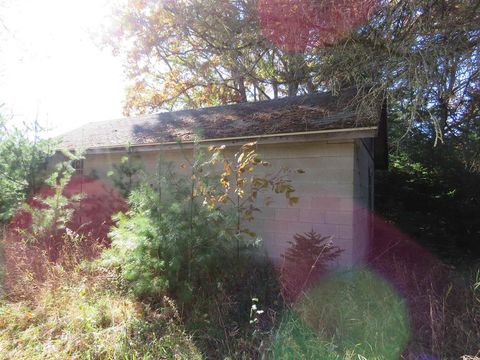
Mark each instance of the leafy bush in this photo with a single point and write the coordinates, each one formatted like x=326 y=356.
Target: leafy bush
x=241 y=184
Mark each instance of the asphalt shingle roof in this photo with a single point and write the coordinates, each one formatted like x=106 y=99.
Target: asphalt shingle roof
x=281 y=116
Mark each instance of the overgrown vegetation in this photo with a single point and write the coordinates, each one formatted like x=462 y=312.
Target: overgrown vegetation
x=180 y=279
x=54 y=227
x=430 y=194
x=444 y=310
x=82 y=314
x=436 y=199
x=188 y=237
x=184 y=278
x=348 y=315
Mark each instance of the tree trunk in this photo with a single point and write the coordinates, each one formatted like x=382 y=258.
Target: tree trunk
x=241 y=89
x=275 y=89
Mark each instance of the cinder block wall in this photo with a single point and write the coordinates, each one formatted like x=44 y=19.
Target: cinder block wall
x=326 y=190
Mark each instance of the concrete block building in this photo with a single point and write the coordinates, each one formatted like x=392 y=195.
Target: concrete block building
x=324 y=135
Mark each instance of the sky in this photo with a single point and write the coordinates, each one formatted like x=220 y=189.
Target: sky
x=50 y=67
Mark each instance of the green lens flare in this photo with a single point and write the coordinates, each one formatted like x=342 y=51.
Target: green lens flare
x=348 y=315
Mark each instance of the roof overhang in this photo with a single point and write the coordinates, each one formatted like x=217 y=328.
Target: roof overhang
x=307 y=136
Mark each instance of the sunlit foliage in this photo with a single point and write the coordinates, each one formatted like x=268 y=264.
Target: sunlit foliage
x=23 y=164
x=201 y=53
x=421 y=55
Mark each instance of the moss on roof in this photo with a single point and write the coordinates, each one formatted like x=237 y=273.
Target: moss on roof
x=280 y=116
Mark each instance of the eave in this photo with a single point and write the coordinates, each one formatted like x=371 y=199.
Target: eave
x=298 y=137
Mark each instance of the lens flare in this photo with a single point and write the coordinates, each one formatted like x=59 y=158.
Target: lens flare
x=84 y=234
x=354 y=311
x=293 y=25
x=374 y=308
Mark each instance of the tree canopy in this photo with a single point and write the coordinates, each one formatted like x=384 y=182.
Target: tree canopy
x=200 y=53
x=421 y=55
x=424 y=56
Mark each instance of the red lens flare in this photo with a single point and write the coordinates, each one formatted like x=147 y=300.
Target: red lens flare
x=392 y=265
x=90 y=224
x=294 y=25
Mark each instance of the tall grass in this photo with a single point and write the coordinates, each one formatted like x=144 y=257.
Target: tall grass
x=79 y=310
x=360 y=315
x=348 y=315
x=446 y=318
x=82 y=314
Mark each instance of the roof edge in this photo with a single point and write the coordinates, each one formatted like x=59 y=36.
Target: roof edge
x=304 y=136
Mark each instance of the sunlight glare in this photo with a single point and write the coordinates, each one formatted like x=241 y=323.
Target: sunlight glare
x=50 y=66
